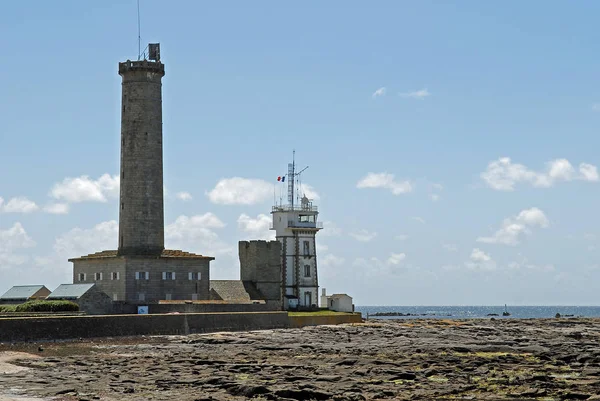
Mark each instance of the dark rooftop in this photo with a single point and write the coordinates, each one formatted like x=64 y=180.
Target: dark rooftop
x=23 y=291
x=70 y=291
x=167 y=253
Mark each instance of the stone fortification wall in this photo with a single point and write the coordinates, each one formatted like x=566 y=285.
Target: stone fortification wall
x=129 y=308
x=260 y=262
x=72 y=327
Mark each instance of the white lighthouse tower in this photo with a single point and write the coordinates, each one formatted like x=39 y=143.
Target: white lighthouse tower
x=296 y=226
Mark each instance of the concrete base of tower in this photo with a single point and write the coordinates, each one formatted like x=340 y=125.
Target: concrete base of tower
x=171 y=275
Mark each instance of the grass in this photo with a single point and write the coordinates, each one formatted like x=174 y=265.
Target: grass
x=318 y=313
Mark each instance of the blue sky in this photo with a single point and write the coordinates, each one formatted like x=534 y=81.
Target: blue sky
x=460 y=182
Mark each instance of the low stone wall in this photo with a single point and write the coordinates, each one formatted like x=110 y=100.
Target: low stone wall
x=317 y=320
x=195 y=307
x=72 y=327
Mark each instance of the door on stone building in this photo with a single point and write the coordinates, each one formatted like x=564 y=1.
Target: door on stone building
x=308 y=298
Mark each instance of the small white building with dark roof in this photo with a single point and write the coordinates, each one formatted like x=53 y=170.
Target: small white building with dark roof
x=23 y=293
x=89 y=297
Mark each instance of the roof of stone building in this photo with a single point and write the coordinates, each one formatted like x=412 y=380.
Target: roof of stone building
x=22 y=291
x=339 y=296
x=167 y=253
x=234 y=290
x=70 y=291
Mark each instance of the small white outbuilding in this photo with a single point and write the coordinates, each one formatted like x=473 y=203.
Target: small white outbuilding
x=337 y=302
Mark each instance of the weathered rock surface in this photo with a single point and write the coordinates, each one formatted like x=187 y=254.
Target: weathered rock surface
x=502 y=359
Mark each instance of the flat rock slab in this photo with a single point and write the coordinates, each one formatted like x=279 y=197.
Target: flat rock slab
x=425 y=359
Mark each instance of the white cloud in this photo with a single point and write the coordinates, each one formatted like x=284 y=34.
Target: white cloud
x=588 y=172
x=83 y=189
x=363 y=235
x=196 y=234
x=419 y=219
x=78 y=242
x=525 y=265
x=402 y=237
x=57 y=208
x=420 y=94
x=309 y=191
x=435 y=197
x=379 y=92
x=480 y=261
x=184 y=196
x=450 y=247
x=596 y=107
x=258 y=228
x=11 y=241
x=330 y=229
x=512 y=228
x=503 y=174
x=376 y=267
x=240 y=191
x=386 y=181
x=331 y=261
x=18 y=205
x=396 y=258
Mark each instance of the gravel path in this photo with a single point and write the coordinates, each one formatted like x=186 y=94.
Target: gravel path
x=503 y=359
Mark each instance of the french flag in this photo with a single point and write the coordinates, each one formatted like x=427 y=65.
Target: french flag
x=281 y=178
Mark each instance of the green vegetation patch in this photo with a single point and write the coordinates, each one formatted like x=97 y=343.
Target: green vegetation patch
x=41 y=306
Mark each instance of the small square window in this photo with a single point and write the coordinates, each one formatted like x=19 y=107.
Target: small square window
x=81 y=276
x=195 y=276
x=306 y=248
x=141 y=296
x=168 y=297
x=97 y=276
x=306 y=270
x=168 y=275
x=114 y=276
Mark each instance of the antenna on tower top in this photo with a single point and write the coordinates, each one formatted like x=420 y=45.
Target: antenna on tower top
x=139 y=33
x=293 y=180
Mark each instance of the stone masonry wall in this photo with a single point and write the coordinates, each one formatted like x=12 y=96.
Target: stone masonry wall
x=127 y=288
x=114 y=288
x=141 y=210
x=260 y=262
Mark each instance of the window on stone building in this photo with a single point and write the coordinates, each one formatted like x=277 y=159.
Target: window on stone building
x=168 y=297
x=168 y=275
x=142 y=275
x=97 y=276
x=194 y=297
x=306 y=270
x=81 y=276
x=141 y=296
x=306 y=248
x=115 y=297
x=114 y=276
x=195 y=276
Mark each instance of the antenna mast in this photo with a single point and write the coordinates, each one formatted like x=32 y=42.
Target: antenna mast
x=292 y=175
x=139 y=33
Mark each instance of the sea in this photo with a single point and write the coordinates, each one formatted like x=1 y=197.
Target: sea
x=470 y=312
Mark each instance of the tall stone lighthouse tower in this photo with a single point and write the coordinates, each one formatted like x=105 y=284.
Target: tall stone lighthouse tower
x=141 y=270
x=141 y=213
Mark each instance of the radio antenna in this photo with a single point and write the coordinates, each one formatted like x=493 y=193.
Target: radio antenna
x=139 y=32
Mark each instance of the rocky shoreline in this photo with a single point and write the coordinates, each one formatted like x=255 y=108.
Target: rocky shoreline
x=417 y=359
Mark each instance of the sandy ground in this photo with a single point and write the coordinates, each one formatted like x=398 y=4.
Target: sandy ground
x=486 y=359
